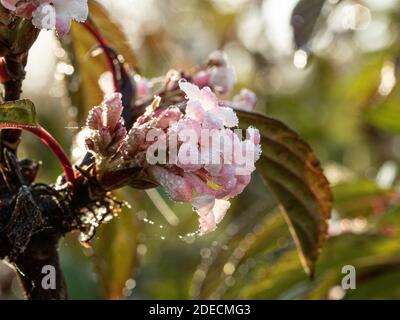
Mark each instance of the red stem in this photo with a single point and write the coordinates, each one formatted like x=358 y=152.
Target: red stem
x=104 y=45
x=55 y=147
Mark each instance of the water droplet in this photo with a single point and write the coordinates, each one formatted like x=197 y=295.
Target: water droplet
x=189 y=237
x=205 y=253
x=300 y=59
x=229 y=268
x=336 y=293
x=141 y=249
x=130 y=284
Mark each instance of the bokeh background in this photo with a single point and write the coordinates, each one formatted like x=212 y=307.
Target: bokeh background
x=337 y=88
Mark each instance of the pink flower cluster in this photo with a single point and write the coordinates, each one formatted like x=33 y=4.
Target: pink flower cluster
x=207 y=185
x=50 y=14
x=218 y=75
x=245 y=100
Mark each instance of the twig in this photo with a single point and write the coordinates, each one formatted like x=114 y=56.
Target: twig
x=31 y=268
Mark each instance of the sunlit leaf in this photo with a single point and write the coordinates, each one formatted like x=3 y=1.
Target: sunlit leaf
x=21 y=112
x=291 y=169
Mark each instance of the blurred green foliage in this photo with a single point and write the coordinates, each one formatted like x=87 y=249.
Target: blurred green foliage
x=339 y=91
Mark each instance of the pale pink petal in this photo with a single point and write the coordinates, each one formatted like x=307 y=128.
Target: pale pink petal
x=207 y=223
x=63 y=24
x=209 y=100
x=55 y=14
x=245 y=100
x=226 y=179
x=242 y=182
x=209 y=219
x=213 y=169
x=228 y=116
x=203 y=204
x=202 y=78
x=254 y=135
x=211 y=159
x=106 y=126
x=245 y=156
x=10 y=4
x=211 y=152
x=143 y=86
x=195 y=111
x=113 y=107
x=106 y=82
x=75 y=9
x=94 y=119
x=166 y=118
x=212 y=120
x=188 y=124
x=220 y=209
x=79 y=10
x=178 y=188
x=188 y=132
x=44 y=17
x=222 y=79
x=192 y=92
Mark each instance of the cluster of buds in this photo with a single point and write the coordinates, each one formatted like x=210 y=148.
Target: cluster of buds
x=107 y=129
x=50 y=14
x=219 y=75
x=195 y=153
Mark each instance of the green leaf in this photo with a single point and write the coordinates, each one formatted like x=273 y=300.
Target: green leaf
x=283 y=279
x=21 y=115
x=389 y=223
x=115 y=251
x=360 y=198
x=20 y=112
x=260 y=233
x=374 y=275
x=292 y=171
x=386 y=116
